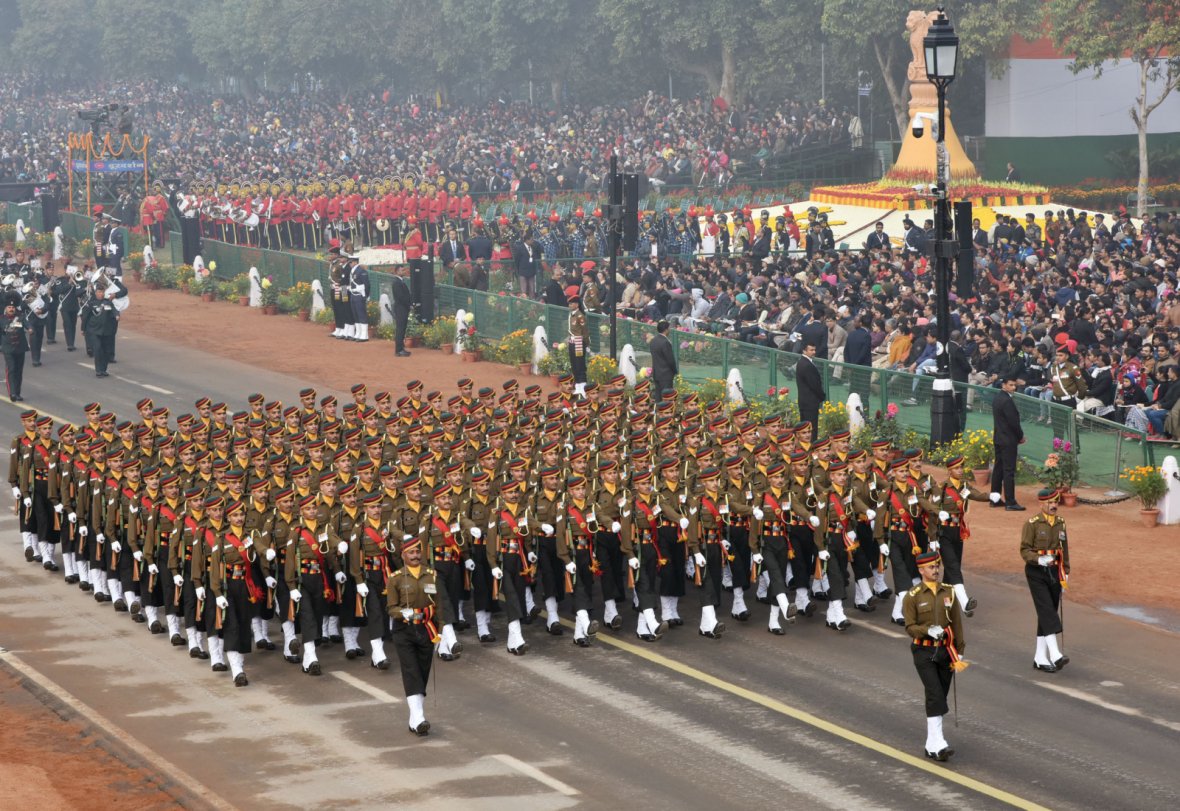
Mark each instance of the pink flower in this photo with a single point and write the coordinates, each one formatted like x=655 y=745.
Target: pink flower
x=891 y=409
x=1056 y=443
x=782 y=392
x=770 y=392
x=1066 y=447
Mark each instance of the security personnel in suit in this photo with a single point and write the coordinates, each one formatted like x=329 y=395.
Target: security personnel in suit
x=1044 y=546
x=417 y=603
x=934 y=621
x=402 y=301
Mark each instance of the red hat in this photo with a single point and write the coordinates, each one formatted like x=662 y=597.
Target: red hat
x=97 y=210
x=554 y=216
x=579 y=212
x=532 y=215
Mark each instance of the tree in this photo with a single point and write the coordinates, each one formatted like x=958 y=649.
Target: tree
x=127 y=53
x=52 y=38
x=1096 y=33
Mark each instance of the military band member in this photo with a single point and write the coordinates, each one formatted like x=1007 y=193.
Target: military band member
x=417 y=601
x=934 y=621
x=1044 y=546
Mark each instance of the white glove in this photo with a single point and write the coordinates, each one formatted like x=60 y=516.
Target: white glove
x=222 y=603
x=470 y=564
x=16 y=492
x=547 y=529
x=684 y=523
x=824 y=554
x=622 y=502
x=723 y=509
x=995 y=498
x=850 y=534
x=884 y=548
x=814 y=521
x=497 y=572
x=270 y=553
x=178 y=580
x=476 y=532
x=342 y=548
x=699 y=559
x=138 y=555
x=153 y=568
x=362 y=589
x=935 y=632
x=616 y=527
x=271 y=583
x=726 y=545
x=591 y=518
x=523 y=523
x=944 y=516
x=633 y=563
x=871 y=515
x=455 y=527
x=532 y=557
x=571 y=567
x=296 y=595
x=116 y=547
x=248 y=542
x=758 y=513
x=100 y=538
x=83 y=531
x=341 y=577
x=200 y=592
x=933 y=546
x=28 y=501
x=73 y=518
x=407 y=614
x=58 y=508
x=1045 y=560
x=757 y=558
x=683 y=498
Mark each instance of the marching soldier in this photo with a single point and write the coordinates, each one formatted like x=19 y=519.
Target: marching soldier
x=896 y=531
x=442 y=533
x=368 y=560
x=417 y=601
x=187 y=563
x=235 y=591
x=710 y=549
x=311 y=567
x=547 y=516
x=477 y=515
x=934 y=621
x=581 y=561
x=672 y=504
x=613 y=512
x=955 y=494
x=1044 y=546
x=771 y=544
x=837 y=539
x=162 y=530
x=649 y=560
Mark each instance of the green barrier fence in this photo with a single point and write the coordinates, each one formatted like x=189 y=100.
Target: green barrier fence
x=1106 y=447
x=30 y=213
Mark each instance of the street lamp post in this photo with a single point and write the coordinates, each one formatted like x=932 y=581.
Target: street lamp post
x=941 y=46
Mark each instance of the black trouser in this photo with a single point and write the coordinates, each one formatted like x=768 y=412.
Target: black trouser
x=674 y=551
x=961 y=403
x=739 y=555
x=1061 y=416
x=345 y=609
x=934 y=669
x=610 y=560
x=837 y=566
x=950 y=544
x=188 y=598
x=69 y=325
x=376 y=616
x=14 y=364
x=550 y=570
x=1004 y=472
x=662 y=386
x=901 y=558
x=583 y=580
x=36 y=337
x=711 y=573
x=864 y=555
x=1045 y=589
x=513 y=585
x=236 y=630
x=313 y=605
x=776 y=554
x=415 y=654
x=577 y=363
x=451 y=574
x=51 y=322
x=104 y=352
x=401 y=317
x=45 y=522
x=803 y=564
x=647 y=579
x=481 y=579
x=162 y=593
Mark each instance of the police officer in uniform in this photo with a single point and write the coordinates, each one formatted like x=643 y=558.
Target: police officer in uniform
x=1044 y=546
x=934 y=621
x=15 y=345
x=417 y=603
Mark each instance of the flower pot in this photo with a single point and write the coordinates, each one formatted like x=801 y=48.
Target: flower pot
x=983 y=477
x=472 y=355
x=208 y=297
x=412 y=343
x=447 y=349
x=305 y=315
x=1069 y=499
x=1150 y=518
x=153 y=285
x=525 y=368
x=183 y=287
x=244 y=301
x=270 y=309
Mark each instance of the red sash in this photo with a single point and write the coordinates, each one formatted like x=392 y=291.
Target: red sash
x=837 y=506
x=708 y=504
x=252 y=588
x=580 y=520
x=906 y=519
x=310 y=539
x=964 y=532
x=778 y=510
x=376 y=538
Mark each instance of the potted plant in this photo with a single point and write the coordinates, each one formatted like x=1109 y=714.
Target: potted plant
x=241 y=284
x=440 y=334
x=153 y=277
x=1060 y=471
x=296 y=299
x=226 y=290
x=270 y=296
x=556 y=363
x=470 y=341
x=977 y=453
x=1147 y=484
x=516 y=349
x=415 y=332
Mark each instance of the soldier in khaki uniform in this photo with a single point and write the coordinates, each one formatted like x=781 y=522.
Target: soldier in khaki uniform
x=837 y=540
x=311 y=567
x=417 y=602
x=709 y=547
x=934 y=621
x=1044 y=546
x=477 y=517
x=1069 y=387
x=235 y=591
x=547 y=519
x=442 y=534
x=368 y=560
x=610 y=502
x=770 y=544
x=896 y=531
x=648 y=560
x=955 y=494
x=162 y=530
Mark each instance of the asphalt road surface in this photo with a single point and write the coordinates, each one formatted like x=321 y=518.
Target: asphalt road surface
x=813 y=719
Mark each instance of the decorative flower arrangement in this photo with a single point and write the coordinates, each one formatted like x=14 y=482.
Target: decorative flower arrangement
x=1060 y=470
x=833 y=416
x=270 y=292
x=779 y=393
x=514 y=348
x=1147 y=484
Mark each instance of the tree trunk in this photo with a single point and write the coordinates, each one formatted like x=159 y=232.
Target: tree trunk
x=1139 y=115
x=898 y=92
x=728 y=89
x=710 y=75
x=556 y=85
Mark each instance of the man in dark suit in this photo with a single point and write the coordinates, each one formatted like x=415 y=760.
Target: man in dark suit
x=663 y=361
x=815 y=332
x=811 y=387
x=1007 y=435
x=527 y=255
x=452 y=249
x=858 y=350
x=978 y=235
x=401 y=310
x=878 y=239
x=960 y=368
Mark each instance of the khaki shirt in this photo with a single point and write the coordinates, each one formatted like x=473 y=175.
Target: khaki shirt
x=924 y=608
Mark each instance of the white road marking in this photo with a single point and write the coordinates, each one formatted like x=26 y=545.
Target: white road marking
x=882 y=631
x=528 y=770
x=149 y=756
x=1090 y=698
x=147 y=386
x=367 y=689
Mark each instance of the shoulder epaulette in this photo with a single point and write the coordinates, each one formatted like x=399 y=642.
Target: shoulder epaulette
x=916 y=590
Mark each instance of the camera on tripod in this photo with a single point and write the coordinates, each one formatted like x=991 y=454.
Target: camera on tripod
x=103 y=114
